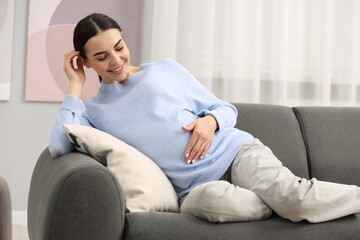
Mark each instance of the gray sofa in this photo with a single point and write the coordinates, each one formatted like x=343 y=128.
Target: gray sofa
x=5 y=211
x=75 y=197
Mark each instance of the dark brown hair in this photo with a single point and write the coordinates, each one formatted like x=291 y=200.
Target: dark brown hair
x=89 y=27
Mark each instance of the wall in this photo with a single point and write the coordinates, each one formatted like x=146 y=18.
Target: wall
x=24 y=126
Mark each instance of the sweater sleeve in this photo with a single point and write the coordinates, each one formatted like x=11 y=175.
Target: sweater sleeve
x=71 y=112
x=201 y=99
x=225 y=114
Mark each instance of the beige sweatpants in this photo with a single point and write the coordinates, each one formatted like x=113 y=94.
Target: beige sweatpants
x=256 y=168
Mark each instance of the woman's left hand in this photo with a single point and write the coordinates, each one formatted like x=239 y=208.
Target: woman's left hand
x=203 y=130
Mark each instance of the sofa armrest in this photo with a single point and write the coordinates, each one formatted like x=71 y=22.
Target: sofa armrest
x=74 y=197
x=5 y=211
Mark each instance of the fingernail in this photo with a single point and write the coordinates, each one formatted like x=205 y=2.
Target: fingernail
x=187 y=155
x=188 y=161
x=193 y=161
x=201 y=157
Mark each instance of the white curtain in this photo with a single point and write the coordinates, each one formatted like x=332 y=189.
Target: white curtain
x=289 y=52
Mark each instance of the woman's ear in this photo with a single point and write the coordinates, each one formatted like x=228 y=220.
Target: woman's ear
x=86 y=62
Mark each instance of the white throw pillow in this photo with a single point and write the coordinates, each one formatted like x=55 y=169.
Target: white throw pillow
x=145 y=185
x=221 y=201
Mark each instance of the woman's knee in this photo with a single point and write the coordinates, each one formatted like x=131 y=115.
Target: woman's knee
x=220 y=201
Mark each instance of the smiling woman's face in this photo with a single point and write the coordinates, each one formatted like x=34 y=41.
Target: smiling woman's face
x=108 y=55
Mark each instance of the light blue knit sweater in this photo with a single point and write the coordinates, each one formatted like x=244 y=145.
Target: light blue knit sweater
x=147 y=112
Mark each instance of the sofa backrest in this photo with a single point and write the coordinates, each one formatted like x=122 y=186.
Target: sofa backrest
x=332 y=139
x=277 y=127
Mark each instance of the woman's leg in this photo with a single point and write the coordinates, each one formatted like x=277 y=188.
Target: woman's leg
x=257 y=169
x=221 y=201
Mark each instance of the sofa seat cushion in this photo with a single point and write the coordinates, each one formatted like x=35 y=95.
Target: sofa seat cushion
x=175 y=226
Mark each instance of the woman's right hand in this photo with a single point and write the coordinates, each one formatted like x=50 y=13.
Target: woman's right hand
x=75 y=74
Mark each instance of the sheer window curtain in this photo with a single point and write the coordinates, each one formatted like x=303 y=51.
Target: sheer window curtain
x=288 y=52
